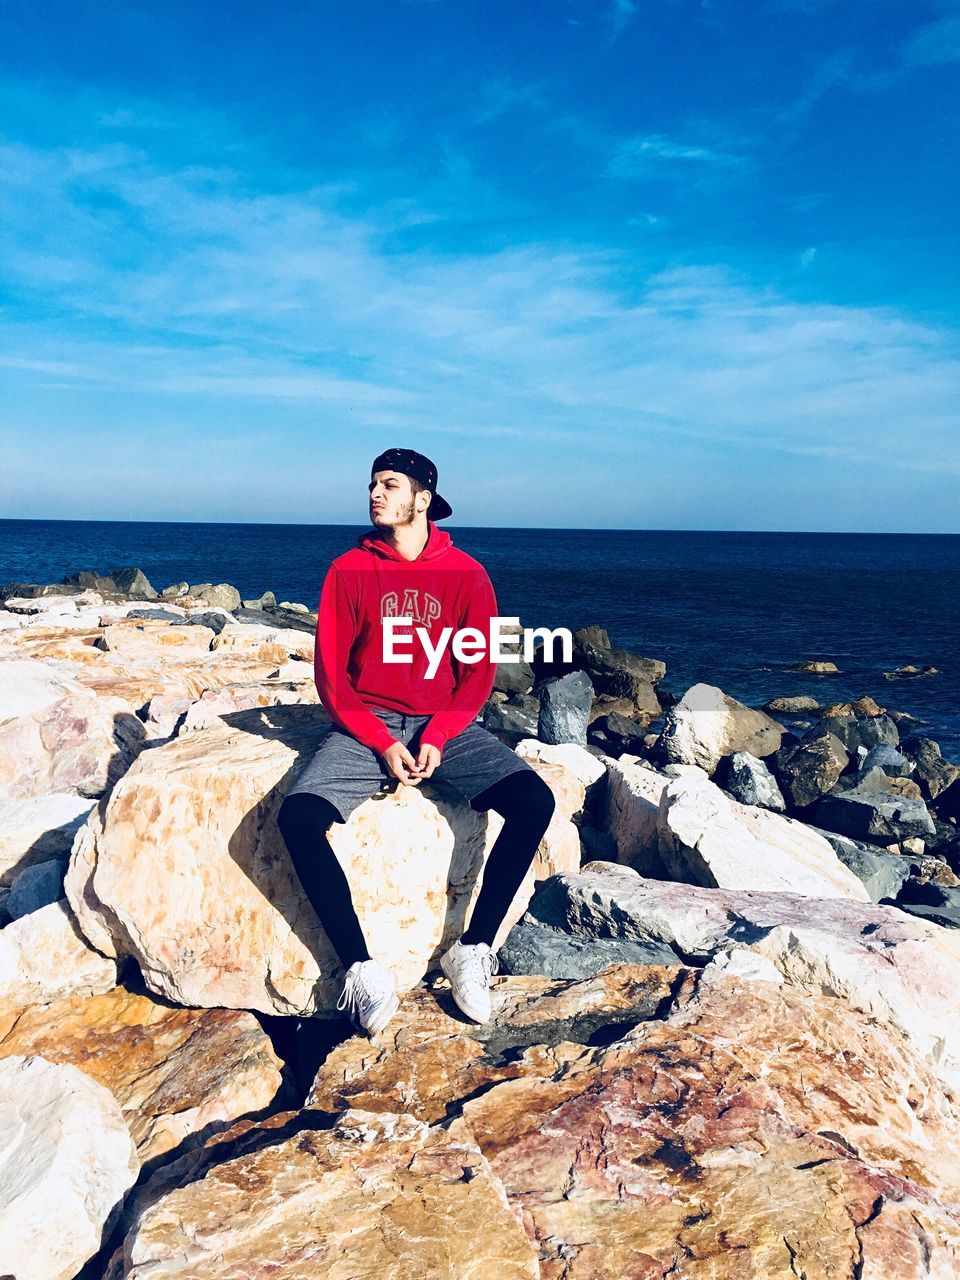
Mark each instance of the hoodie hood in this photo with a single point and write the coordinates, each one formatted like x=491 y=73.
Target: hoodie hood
x=438 y=543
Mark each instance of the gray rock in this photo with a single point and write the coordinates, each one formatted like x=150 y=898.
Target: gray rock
x=873 y=814
x=616 y=670
x=875 y=731
x=130 y=582
x=933 y=773
x=156 y=615
x=812 y=768
x=517 y=717
x=533 y=947
x=893 y=762
x=175 y=590
x=751 y=782
x=261 y=602
x=565 y=708
x=133 y=582
x=616 y=733
x=792 y=706
x=514 y=677
x=221 y=594
x=36 y=886
x=34 y=590
x=882 y=873
x=273 y=616
x=216 y=620
x=940 y=903
x=859 y=731
x=597 y=845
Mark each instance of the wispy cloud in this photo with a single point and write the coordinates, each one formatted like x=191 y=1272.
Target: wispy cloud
x=147 y=289
x=649 y=153
x=935 y=42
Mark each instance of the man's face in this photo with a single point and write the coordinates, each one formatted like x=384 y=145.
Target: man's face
x=392 y=501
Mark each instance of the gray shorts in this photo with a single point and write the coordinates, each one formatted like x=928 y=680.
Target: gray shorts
x=346 y=773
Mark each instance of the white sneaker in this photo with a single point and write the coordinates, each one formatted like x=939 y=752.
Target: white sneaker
x=470 y=966
x=369 y=996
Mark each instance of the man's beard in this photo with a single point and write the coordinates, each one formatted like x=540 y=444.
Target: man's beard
x=407 y=515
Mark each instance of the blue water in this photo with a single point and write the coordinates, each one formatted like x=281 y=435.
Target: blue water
x=732 y=609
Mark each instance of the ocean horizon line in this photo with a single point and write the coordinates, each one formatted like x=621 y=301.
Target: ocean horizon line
x=315 y=524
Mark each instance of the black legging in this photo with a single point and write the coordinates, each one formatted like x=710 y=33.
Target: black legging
x=524 y=800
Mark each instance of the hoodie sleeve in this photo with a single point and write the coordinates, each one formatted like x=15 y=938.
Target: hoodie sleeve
x=337 y=626
x=474 y=679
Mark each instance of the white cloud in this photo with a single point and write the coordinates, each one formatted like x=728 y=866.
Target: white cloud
x=937 y=42
x=186 y=295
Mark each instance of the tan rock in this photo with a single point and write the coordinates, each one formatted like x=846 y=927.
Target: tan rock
x=43 y=956
x=134 y=637
x=737 y=1127
x=378 y=1195
x=426 y=1059
x=66 y=1162
x=221 y=920
x=173 y=1071
x=210 y=709
x=706 y=725
x=241 y=636
x=699 y=1147
x=66 y=647
x=706 y=837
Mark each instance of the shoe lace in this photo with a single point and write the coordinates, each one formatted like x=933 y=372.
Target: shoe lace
x=479 y=963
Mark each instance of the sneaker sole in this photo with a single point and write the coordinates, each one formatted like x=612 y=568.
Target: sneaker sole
x=472 y=1014
x=379 y=1023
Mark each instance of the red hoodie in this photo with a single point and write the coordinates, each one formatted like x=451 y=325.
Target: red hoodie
x=442 y=587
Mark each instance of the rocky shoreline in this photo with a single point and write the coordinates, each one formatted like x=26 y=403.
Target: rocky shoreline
x=726 y=1036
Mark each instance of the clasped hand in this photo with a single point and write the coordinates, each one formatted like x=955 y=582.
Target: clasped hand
x=402 y=765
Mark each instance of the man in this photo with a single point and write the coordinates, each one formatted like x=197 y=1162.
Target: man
x=395 y=724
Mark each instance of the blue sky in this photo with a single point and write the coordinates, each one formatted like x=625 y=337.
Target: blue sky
x=611 y=263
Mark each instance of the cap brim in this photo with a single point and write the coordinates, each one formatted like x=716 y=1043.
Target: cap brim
x=439 y=508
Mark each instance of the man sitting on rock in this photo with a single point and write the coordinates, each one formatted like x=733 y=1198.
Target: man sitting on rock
x=384 y=712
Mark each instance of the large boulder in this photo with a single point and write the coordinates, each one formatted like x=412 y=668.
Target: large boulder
x=873 y=815
x=176 y=1073
x=135 y=637
x=811 y=768
x=184 y=868
x=706 y=725
x=643 y=1118
x=708 y=838
x=934 y=773
x=377 y=1195
x=896 y=967
x=66 y=1162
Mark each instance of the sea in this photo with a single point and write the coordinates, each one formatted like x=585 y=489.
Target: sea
x=729 y=609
